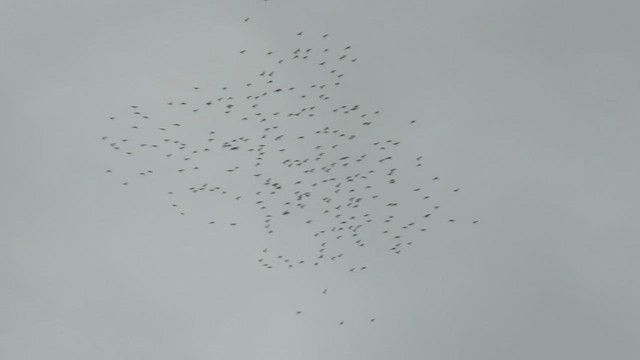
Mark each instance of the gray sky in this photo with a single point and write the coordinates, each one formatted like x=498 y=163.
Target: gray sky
x=529 y=106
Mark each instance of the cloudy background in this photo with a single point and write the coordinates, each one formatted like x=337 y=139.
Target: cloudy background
x=530 y=106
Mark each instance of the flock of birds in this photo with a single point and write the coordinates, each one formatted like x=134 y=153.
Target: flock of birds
x=311 y=167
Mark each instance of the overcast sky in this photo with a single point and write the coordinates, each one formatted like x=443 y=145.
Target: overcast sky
x=531 y=107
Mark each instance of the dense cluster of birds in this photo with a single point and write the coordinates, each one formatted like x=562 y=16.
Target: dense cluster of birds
x=312 y=167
